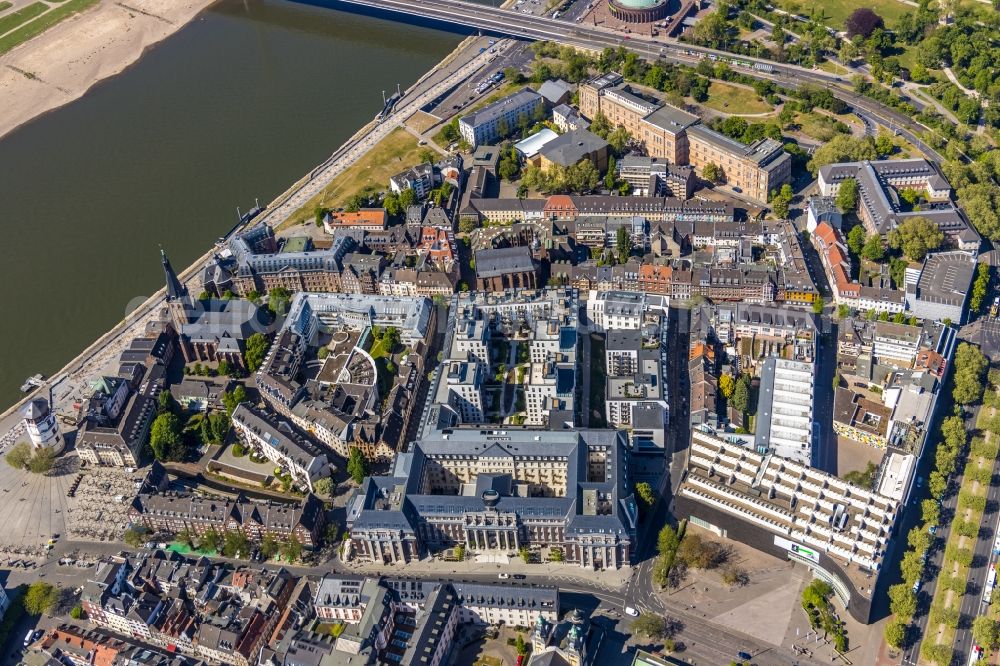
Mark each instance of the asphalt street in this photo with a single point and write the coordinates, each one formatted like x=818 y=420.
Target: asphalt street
x=506 y=22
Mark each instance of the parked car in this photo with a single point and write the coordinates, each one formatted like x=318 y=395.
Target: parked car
x=631 y=612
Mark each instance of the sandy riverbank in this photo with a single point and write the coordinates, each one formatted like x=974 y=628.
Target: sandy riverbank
x=61 y=64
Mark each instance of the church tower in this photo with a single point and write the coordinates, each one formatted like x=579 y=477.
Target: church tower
x=177 y=295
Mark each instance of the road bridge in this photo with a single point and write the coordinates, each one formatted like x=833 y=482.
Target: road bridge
x=539 y=28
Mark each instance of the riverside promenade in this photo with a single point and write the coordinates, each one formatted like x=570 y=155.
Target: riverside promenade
x=65 y=386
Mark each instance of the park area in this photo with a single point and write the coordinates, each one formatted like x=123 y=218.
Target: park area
x=370 y=174
x=834 y=14
x=727 y=98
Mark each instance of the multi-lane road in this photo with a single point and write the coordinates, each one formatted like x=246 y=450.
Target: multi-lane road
x=506 y=22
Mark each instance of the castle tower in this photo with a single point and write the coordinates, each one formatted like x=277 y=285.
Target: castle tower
x=40 y=423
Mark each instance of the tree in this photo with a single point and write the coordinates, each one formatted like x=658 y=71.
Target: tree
x=780 y=201
x=979 y=288
x=19 y=457
x=601 y=126
x=902 y=600
x=509 y=169
x=77 y=612
x=712 y=173
x=741 y=395
x=556 y=555
x=212 y=539
x=863 y=22
x=165 y=402
x=357 y=465
x=40 y=598
x=649 y=625
x=873 y=250
x=232 y=399
x=611 y=176
x=667 y=541
x=986 y=632
x=916 y=236
x=214 y=428
x=277 y=300
x=847 y=197
x=323 y=487
x=727 y=384
x=256 y=349
x=895 y=633
x=618 y=139
x=42 y=461
x=135 y=536
x=269 y=546
x=582 y=177
x=647 y=497
x=623 y=245
x=524 y=554
x=970 y=366
x=235 y=544
x=818 y=304
x=291 y=549
x=930 y=511
x=520 y=646
x=460 y=552
x=884 y=144
x=842 y=148
x=407 y=198
x=856 y=240
x=165 y=438
x=391 y=204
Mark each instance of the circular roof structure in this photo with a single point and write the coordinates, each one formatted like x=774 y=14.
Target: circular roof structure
x=639 y=4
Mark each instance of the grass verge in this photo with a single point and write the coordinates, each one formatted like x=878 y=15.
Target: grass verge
x=43 y=23
x=395 y=152
x=23 y=15
x=4 y=6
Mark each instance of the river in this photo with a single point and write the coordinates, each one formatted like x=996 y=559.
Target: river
x=237 y=105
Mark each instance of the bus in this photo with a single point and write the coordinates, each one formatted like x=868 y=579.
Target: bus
x=991 y=581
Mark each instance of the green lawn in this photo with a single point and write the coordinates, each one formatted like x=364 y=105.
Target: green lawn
x=394 y=153
x=734 y=99
x=835 y=13
x=817 y=125
x=43 y=23
x=26 y=13
x=4 y=6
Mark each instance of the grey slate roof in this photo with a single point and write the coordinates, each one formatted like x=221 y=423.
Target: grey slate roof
x=502 y=261
x=573 y=146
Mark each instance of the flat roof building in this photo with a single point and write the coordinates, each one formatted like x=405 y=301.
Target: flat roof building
x=785 y=508
x=785 y=409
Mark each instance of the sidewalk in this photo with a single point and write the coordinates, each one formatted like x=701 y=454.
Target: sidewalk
x=609 y=580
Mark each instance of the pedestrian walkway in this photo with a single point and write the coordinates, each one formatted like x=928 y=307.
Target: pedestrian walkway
x=559 y=573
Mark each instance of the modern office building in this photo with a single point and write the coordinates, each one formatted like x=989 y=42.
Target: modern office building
x=786 y=508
